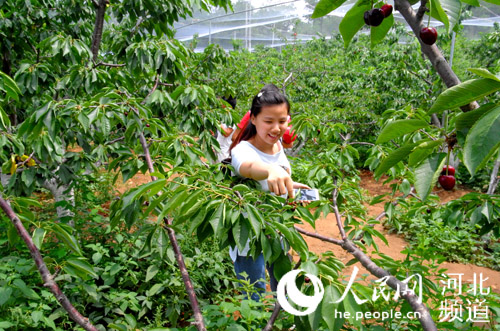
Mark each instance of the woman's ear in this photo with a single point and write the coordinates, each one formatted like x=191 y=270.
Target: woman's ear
x=252 y=119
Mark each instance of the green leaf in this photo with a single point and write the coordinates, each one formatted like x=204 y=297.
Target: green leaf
x=324 y=7
x=191 y=204
x=427 y=173
x=240 y=233
x=84 y=121
x=474 y=3
x=197 y=220
x=28 y=292
x=438 y=13
x=42 y=111
x=423 y=150
x=151 y=272
x=399 y=128
x=174 y=202
x=38 y=236
x=67 y=238
x=156 y=288
x=378 y=33
x=484 y=73
x=255 y=219
x=153 y=188
x=465 y=121
x=353 y=21
x=9 y=86
x=464 y=93
x=119 y=327
x=4 y=119
x=329 y=305
x=495 y=2
x=163 y=241
x=391 y=160
x=452 y=10
x=482 y=141
x=405 y=187
x=217 y=219
x=6 y=325
x=241 y=188
x=352 y=307
x=82 y=266
x=5 y=293
x=266 y=247
x=310 y=268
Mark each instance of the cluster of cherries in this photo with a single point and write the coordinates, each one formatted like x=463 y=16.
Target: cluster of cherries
x=375 y=16
x=447 y=178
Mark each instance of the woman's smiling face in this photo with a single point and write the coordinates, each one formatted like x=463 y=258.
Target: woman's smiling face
x=271 y=123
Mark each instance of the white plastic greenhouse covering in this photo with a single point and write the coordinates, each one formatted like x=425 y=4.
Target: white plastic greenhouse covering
x=274 y=23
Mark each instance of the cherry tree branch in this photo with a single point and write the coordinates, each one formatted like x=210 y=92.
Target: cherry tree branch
x=200 y=325
x=336 y=210
x=198 y=317
x=424 y=315
x=153 y=89
x=422 y=10
x=113 y=65
x=47 y=278
x=319 y=236
x=274 y=316
x=360 y=143
x=494 y=179
x=417 y=75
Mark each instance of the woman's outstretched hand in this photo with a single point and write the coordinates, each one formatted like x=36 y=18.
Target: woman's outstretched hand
x=279 y=181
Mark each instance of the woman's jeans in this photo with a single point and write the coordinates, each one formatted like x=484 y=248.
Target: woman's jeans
x=256 y=271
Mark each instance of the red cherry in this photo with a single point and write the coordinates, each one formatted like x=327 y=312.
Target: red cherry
x=386 y=10
x=451 y=171
x=295 y=34
x=428 y=35
x=373 y=17
x=447 y=182
x=147 y=125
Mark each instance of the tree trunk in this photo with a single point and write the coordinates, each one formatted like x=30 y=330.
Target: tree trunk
x=62 y=193
x=98 y=28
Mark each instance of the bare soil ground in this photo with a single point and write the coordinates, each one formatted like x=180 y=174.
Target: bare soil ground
x=328 y=227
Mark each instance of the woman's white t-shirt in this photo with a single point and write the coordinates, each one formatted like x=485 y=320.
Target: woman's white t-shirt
x=245 y=151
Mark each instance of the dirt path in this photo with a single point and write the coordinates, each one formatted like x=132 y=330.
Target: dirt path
x=328 y=227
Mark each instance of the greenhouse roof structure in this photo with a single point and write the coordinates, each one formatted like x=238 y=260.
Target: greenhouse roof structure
x=276 y=23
